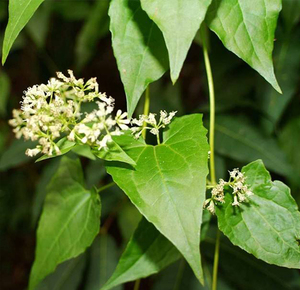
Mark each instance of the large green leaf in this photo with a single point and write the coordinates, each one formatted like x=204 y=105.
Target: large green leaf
x=179 y=22
x=168 y=183
x=247 y=29
x=269 y=225
x=69 y=222
x=138 y=47
x=240 y=140
x=20 y=11
x=147 y=252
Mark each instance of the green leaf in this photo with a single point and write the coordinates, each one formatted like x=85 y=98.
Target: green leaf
x=238 y=139
x=20 y=11
x=67 y=276
x=103 y=260
x=64 y=146
x=168 y=183
x=4 y=92
x=247 y=29
x=114 y=153
x=95 y=27
x=179 y=22
x=147 y=253
x=84 y=150
x=139 y=48
x=269 y=225
x=69 y=222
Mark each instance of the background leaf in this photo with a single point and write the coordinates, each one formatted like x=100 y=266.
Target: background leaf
x=69 y=222
x=95 y=27
x=4 y=92
x=238 y=139
x=247 y=29
x=178 y=29
x=103 y=260
x=20 y=11
x=66 y=276
x=138 y=47
x=269 y=225
x=147 y=252
x=159 y=187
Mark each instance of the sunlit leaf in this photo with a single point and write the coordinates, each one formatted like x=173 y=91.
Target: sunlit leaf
x=269 y=225
x=168 y=183
x=247 y=28
x=179 y=21
x=69 y=222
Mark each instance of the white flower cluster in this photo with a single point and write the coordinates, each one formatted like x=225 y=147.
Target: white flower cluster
x=240 y=191
x=149 y=122
x=52 y=110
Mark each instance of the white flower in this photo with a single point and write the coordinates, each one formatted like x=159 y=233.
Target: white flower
x=150 y=123
x=32 y=152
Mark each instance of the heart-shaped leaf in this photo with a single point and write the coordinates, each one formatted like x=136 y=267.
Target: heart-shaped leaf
x=168 y=183
x=269 y=225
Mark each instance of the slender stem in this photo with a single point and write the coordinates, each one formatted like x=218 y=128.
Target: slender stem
x=106 y=187
x=212 y=110
x=158 y=139
x=211 y=143
x=216 y=262
x=137 y=284
x=146 y=109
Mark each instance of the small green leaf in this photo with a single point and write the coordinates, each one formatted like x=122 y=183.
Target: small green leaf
x=179 y=22
x=20 y=11
x=84 y=150
x=139 y=48
x=240 y=140
x=64 y=146
x=103 y=260
x=168 y=183
x=69 y=222
x=114 y=152
x=147 y=252
x=269 y=225
x=247 y=28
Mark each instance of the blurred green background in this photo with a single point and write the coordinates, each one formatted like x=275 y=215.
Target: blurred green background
x=253 y=121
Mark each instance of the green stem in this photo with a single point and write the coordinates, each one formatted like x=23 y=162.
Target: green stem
x=211 y=143
x=216 y=262
x=146 y=109
x=137 y=284
x=212 y=110
x=105 y=187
